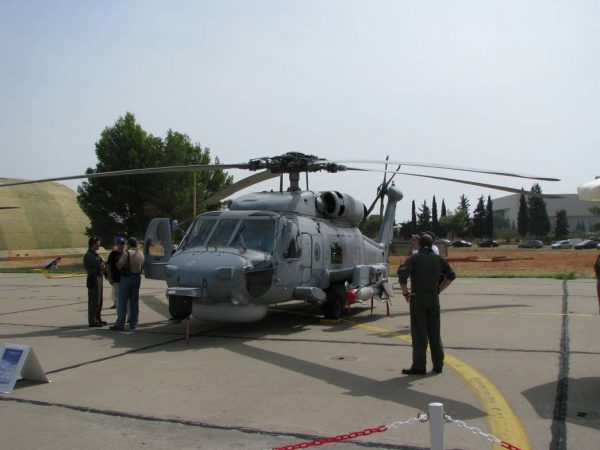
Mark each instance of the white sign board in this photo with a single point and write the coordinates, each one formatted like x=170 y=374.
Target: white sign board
x=18 y=362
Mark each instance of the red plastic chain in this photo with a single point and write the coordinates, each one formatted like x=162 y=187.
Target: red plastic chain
x=509 y=446
x=328 y=440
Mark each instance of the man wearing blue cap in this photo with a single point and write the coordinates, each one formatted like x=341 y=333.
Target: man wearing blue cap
x=114 y=275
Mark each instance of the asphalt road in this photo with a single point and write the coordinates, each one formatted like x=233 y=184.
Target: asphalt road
x=522 y=363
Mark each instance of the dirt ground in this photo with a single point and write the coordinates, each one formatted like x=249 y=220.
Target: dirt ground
x=520 y=262
x=484 y=262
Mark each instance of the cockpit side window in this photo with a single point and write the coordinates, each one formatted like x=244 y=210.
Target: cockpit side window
x=293 y=249
x=256 y=234
x=223 y=232
x=198 y=234
x=290 y=246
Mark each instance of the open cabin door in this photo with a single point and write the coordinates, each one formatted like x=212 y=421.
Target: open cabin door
x=158 y=248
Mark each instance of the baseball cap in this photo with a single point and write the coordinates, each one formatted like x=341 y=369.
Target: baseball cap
x=120 y=240
x=431 y=233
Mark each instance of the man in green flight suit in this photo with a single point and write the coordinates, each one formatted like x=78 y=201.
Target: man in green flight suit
x=94 y=266
x=429 y=275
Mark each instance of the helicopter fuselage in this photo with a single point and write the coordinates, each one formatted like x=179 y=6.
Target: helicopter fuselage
x=231 y=265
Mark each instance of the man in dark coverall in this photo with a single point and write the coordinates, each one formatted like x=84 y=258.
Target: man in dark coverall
x=429 y=275
x=94 y=266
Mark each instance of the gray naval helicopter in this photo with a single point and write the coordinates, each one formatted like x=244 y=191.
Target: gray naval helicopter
x=271 y=247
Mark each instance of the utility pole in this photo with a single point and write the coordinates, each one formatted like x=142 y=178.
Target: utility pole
x=194 y=161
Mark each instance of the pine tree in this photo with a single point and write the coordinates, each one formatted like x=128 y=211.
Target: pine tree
x=463 y=205
x=413 y=219
x=479 y=219
x=424 y=217
x=561 y=230
x=539 y=223
x=443 y=212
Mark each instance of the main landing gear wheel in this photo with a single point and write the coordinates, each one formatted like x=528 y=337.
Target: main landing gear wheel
x=180 y=308
x=335 y=301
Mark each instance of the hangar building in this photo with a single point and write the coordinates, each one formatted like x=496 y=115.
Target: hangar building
x=40 y=217
x=577 y=210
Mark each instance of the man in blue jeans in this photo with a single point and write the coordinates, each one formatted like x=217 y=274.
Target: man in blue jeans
x=130 y=265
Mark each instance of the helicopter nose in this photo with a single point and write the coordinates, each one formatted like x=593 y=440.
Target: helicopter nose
x=220 y=277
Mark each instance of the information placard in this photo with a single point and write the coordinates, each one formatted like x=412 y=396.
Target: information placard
x=18 y=362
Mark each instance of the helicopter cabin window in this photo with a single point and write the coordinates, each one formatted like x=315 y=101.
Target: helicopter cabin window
x=256 y=234
x=199 y=233
x=223 y=233
x=336 y=253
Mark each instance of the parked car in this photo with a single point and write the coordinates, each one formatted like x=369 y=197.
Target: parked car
x=489 y=243
x=445 y=242
x=561 y=244
x=531 y=244
x=461 y=243
x=587 y=244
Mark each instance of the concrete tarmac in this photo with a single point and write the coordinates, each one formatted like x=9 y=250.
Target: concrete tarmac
x=522 y=363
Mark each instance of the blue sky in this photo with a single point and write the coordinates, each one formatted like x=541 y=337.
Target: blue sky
x=511 y=85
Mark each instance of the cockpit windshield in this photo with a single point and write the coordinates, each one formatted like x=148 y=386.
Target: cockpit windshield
x=256 y=234
x=198 y=234
x=222 y=234
x=252 y=233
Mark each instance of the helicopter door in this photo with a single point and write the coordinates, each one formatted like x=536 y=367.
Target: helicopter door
x=157 y=248
x=312 y=258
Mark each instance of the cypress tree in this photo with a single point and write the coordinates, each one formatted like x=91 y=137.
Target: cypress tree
x=489 y=218
x=523 y=217
x=413 y=219
x=434 y=217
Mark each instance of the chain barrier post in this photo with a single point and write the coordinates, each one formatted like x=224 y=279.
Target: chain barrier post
x=436 y=426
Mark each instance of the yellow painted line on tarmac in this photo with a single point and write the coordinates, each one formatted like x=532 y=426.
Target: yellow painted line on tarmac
x=58 y=275
x=523 y=313
x=502 y=419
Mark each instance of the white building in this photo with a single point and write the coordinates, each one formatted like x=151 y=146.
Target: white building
x=577 y=210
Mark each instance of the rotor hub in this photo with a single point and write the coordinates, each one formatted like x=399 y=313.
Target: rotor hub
x=294 y=162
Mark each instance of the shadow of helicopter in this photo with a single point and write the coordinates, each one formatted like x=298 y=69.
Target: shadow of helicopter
x=582 y=407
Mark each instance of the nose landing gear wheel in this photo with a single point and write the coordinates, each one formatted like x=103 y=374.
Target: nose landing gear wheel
x=180 y=308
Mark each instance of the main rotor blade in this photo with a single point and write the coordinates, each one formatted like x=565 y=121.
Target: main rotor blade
x=455 y=180
x=145 y=171
x=444 y=166
x=238 y=186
